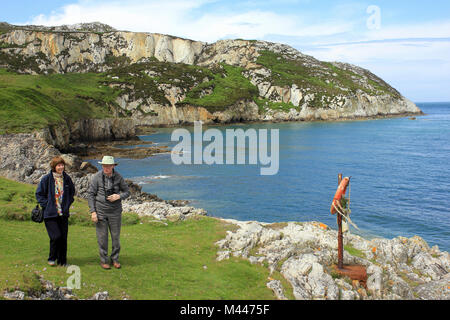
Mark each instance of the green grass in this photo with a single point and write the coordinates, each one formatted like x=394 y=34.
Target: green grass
x=29 y=102
x=320 y=78
x=159 y=262
x=16 y=200
x=277 y=106
x=4 y=28
x=144 y=86
x=227 y=88
x=354 y=252
x=172 y=261
x=285 y=72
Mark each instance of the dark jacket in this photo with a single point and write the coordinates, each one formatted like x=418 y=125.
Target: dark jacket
x=45 y=195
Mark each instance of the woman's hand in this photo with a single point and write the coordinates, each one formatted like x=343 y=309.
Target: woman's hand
x=113 y=197
x=94 y=217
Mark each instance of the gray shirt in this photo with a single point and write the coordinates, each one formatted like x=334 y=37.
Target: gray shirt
x=99 y=186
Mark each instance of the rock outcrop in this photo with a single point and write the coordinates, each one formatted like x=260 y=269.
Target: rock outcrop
x=26 y=157
x=46 y=290
x=89 y=130
x=81 y=51
x=162 y=210
x=304 y=253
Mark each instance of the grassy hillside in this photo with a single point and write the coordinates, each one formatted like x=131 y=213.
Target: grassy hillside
x=226 y=88
x=160 y=261
x=214 y=89
x=30 y=102
x=323 y=78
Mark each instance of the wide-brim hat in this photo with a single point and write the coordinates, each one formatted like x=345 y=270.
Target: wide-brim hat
x=108 y=160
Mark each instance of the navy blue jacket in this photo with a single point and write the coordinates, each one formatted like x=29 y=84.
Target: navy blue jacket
x=45 y=195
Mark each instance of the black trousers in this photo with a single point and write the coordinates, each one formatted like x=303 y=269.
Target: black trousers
x=57 y=229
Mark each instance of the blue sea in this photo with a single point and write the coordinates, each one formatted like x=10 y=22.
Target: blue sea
x=400 y=171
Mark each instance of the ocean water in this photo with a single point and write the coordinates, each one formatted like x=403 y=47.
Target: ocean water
x=400 y=171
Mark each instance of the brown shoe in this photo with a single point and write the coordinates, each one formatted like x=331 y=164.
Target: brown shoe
x=116 y=265
x=105 y=266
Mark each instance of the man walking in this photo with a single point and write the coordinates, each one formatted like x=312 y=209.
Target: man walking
x=106 y=191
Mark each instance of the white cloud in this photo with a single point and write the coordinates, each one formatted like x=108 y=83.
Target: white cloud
x=419 y=69
x=168 y=17
x=177 y=18
x=343 y=37
x=400 y=50
x=435 y=29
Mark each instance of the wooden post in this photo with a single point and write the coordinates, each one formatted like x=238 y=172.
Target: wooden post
x=340 y=238
x=354 y=272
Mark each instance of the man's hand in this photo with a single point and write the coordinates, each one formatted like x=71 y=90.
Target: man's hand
x=113 y=197
x=94 y=217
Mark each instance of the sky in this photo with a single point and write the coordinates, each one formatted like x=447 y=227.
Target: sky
x=407 y=43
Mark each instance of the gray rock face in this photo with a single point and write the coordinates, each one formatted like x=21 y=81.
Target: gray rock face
x=75 y=51
x=89 y=130
x=100 y=296
x=25 y=157
x=308 y=278
x=277 y=289
x=304 y=254
x=434 y=290
x=161 y=210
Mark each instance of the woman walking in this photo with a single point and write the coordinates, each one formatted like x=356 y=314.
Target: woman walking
x=55 y=194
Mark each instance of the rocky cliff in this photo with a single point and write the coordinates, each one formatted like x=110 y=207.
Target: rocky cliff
x=164 y=80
